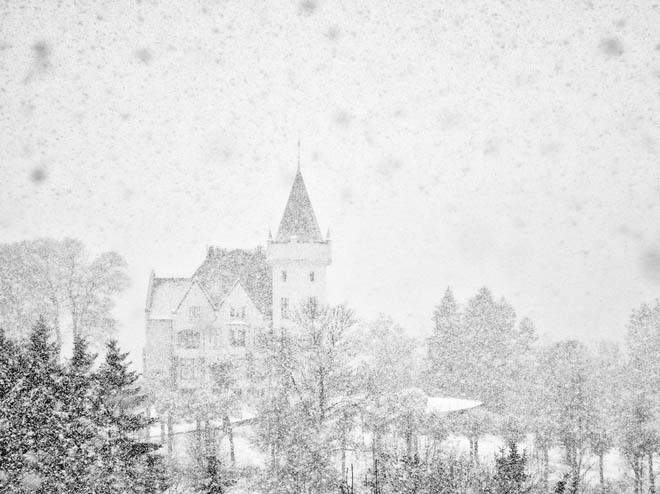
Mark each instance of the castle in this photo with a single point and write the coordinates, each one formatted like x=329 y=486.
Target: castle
x=216 y=314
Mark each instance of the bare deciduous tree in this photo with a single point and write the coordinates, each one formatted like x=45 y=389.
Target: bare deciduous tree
x=57 y=279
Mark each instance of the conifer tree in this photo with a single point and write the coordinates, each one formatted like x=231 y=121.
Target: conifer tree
x=11 y=358
x=510 y=475
x=128 y=463
x=214 y=481
x=641 y=415
x=33 y=424
x=81 y=406
x=445 y=344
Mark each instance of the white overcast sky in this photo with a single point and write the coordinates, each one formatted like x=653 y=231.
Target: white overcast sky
x=444 y=143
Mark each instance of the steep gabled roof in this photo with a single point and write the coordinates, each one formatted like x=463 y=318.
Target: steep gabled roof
x=165 y=294
x=235 y=286
x=222 y=267
x=202 y=289
x=299 y=218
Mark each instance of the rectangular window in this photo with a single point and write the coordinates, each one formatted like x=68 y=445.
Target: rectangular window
x=189 y=339
x=194 y=313
x=242 y=312
x=283 y=275
x=313 y=305
x=238 y=336
x=185 y=368
x=232 y=312
x=190 y=368
x=284 y=306
x=311 y=276
x=214 y=340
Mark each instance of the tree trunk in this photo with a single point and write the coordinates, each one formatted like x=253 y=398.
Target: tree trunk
x=343 y=446
x=476 y=451
x=230 y=435
x=471 y=450
x=162 y=431
x=198 y=434
x=637 y=470
x=572 y=462
x=170 y=431
x=546 y=467
x=374 y=449
x=409 y=437
x=208 y=437
x=651 y=475
x=321 y=397
x=601 y=472
x=147 y=429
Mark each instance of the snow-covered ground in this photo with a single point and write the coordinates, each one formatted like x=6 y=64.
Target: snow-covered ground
x=248 y=455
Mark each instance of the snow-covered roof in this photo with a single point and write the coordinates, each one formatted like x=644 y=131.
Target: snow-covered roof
x=442 y=405
x=237 y=286
x=221 y=268
x=201 y=288
x=298 y=219
x=165 y=295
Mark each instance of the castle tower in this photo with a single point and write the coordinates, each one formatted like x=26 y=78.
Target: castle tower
x=298 y=257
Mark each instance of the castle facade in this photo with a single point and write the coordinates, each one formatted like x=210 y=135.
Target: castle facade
x=215 y=315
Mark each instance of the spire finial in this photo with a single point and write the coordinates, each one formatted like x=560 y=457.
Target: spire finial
x=298 y=154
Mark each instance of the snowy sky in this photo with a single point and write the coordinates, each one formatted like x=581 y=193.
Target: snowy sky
x=501 y=143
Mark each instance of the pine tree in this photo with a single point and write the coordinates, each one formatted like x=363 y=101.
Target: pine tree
x=33 y=424
x=11 y=358
x=82 y=431
x=510 y=475
x=128 y=463
x=214 y=481
x=444 y=344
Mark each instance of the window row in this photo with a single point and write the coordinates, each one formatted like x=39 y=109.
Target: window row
x=312 y=276
x=190 y=368
x=195 y=313
x=311 y=305
x=237 y=312
x=192 y=339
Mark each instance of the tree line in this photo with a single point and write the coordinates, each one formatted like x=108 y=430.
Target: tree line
x=331 y=394
x=335 y=382
x=586 y=401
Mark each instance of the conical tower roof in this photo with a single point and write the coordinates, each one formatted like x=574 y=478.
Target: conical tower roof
x=299 y=219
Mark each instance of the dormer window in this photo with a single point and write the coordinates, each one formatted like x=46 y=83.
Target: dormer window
x=237 y=312
x=284 y=276
x=311 y=276
x=194 y=313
